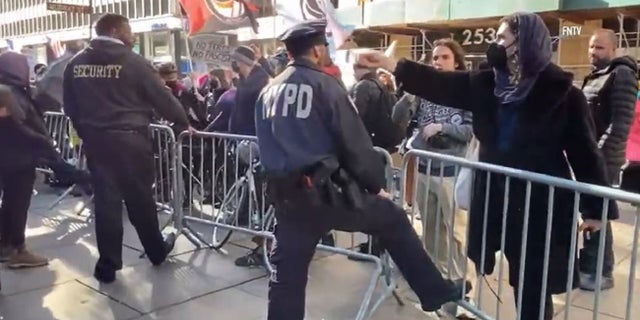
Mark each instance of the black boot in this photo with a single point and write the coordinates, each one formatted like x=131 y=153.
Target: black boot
x=455 y=293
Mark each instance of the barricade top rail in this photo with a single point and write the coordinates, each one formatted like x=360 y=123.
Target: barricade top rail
x=54 y=113
x=581 y=187
x=162 y=127
x=219 y=135
x=386 y=154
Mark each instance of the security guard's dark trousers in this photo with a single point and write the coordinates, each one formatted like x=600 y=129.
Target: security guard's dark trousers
x=302 y=220
x=121 y=165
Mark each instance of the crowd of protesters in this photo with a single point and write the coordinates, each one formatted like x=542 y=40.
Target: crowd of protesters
x=520 y=108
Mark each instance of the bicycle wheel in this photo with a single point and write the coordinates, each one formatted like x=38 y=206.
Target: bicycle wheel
x=228 y=213
x=269 y=224
x=219 y=190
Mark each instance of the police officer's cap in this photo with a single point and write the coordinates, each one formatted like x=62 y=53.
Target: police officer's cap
x=305 y=34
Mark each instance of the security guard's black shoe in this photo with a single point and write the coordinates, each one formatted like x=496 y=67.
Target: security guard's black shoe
x=169 y=244
x=454 y=294
x=104 y=275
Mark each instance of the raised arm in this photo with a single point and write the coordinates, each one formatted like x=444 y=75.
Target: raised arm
x=447 y=88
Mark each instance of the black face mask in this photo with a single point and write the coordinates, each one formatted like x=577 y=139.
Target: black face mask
x=497 y=56
x=234 y=67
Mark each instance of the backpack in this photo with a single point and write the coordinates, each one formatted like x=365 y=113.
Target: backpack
x=383 y=131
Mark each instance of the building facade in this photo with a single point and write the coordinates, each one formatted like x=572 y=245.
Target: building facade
x=415 y=24
x=27 y=25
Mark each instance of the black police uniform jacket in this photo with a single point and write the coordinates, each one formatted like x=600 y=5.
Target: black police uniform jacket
x=108 y=87
x=611 y=93
x=552 y=120
x=305 y=116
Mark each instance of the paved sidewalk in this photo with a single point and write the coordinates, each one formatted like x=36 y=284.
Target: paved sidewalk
x=204 y=284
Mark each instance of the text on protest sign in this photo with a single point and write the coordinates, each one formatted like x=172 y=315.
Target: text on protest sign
x=212 y=53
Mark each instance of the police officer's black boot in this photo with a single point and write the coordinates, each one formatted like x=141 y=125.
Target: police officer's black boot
x=455 y=294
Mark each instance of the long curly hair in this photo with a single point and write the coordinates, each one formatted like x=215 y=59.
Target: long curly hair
x=456 y=48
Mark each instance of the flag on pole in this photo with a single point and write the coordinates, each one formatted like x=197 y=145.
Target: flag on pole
x=297 y=11
x=209 y=16
x=339 y=32
x=55 y=49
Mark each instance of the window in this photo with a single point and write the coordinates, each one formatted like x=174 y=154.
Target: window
x=159 y=45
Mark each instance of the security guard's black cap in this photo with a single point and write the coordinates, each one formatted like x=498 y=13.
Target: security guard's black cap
x=305 y=35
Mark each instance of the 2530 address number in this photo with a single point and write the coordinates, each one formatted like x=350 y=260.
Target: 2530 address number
x=478 y=36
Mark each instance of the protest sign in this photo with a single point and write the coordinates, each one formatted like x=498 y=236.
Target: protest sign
x=210 y=51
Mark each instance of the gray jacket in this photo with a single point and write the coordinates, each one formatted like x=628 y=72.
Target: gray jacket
x=456 y=134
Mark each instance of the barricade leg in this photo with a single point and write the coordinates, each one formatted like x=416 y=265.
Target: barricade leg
x=64 y=194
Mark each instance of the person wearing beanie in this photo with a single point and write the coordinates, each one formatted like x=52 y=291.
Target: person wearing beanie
x=253 y=77
x=23 y=141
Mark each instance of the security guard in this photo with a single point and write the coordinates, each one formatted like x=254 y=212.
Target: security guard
x=110 y=94
x=323 y=173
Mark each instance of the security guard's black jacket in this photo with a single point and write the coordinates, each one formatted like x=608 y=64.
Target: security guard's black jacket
x=107 y=86
x=292 y=140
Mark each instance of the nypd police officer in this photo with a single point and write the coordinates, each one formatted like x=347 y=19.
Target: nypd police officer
x=323 y=173
x=110 y=94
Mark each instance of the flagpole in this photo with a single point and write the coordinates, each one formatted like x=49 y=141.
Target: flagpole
x=275 y=19
x=186 y=43
x=90 y=18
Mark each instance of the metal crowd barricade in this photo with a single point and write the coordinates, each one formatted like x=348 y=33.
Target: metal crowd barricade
x=222 y=186
x=214 y=183
x=68 y=144
x=529 y=191
x=164 y=153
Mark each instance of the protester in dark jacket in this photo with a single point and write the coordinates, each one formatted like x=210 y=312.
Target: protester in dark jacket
x=253 y=78
x=222 y=111
x=192 y=101
x=526 y=115
x=23 y=140
x=611 y=93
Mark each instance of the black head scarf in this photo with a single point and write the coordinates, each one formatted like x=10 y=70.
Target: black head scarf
x=533 y=55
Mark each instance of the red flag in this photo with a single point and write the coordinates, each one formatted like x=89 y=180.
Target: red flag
x=199 y=12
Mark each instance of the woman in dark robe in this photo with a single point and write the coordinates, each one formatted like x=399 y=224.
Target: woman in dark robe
x=526 y=115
